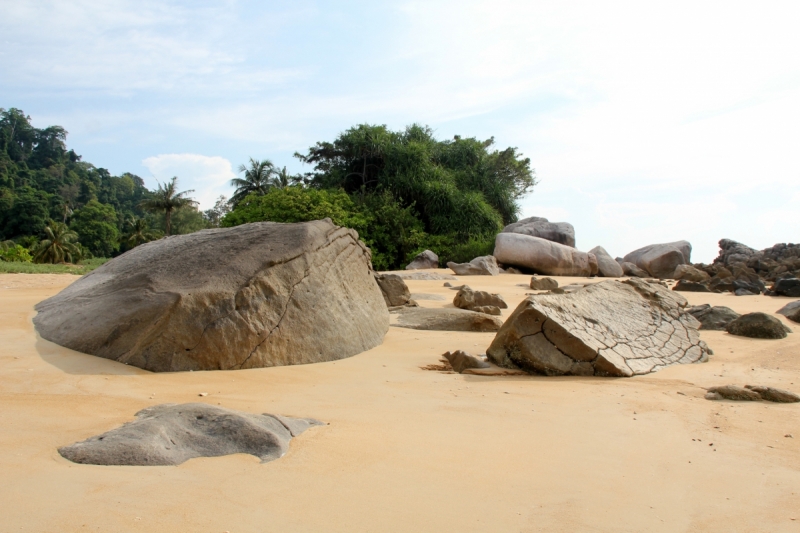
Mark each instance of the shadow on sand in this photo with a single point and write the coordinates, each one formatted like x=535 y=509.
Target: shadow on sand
x=73 y=362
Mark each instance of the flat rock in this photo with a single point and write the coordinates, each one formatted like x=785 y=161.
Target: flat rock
x=661 y=260
x=690 y=286
x=542 y=256
x=480 y=266
x=394 y=289
x=227 y=298
x=424 y=260
x=758 y=326
x=543 y=284
x=424 y=276
x=461 y=361
x=446 y=320
x=629 y=269
x=607 y=266
x=170 y=434
x=560 y=232
x=772 y=394
x=732 y=392
x=714 y=318
x=610 y=328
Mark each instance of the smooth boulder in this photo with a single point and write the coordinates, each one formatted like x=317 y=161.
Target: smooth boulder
x=424 y=260
x=560 y=232
x=394 y=290
x=661 y=260
x=445 y=320
x=791 y=311
x=714 y=318
x=542 y=256
x=610 y=328
x=787 y=287
x=629 y=269
x=607 y=266
x=758 y=326
x=480 y=266
x=223 y=299
x=171 y=434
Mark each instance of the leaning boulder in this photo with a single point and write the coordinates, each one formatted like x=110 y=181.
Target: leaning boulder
x=661 y=260
x=629 y=269
x=228 y=298
x=480 y=266
x=758 y=326
x=542 y=256
x=394 y=289
x=424 y=260
x=607 y=267
x=480 y=301
x=714 y=318
x=609 y=328
x=446 y=319
x=560 y=232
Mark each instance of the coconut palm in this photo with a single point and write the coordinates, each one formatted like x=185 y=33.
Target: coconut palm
x=138 y=232
x=166 y=199
x=283 y=179
x=257 y=179
x=59 y=246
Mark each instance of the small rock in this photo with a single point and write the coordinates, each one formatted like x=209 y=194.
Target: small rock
x=203 y=394
x=771 y=394
x=543 y=284
x=461 y=360
x=732 y=392
x=758 y=326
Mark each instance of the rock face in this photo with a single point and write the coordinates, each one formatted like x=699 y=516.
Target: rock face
x=780 y=261
x=394 y=289
x=690 y=273
x=560 y=232
x=607 y=267
x=170 y=434
x=609 y=328
x=787 y=287
x=542 y=256
x=661 y=260
x=426 y=259
x=714 y=318
x=461 y=360
x=758 y=326
x=690 y=286
x=629 y=269
x=480 y=266
x=543 y=284
x=480 y=301
x=220 y=299
x=446 y=320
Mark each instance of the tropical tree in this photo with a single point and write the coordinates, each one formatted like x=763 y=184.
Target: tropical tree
x=166 y=199
x=283 y=179
x=137 y=232
x=59 y=246
x=257 y=179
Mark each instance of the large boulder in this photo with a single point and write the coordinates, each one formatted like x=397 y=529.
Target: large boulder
x=423 y=260
x=629 y=269
x=560 y=232
x=480 y=301
x=690 y=273
x=758 y=326
x=480 y=266
x=446 y=319
x=170 y=434
x=394 y=289
x=714 y=318
x=610 y=328
x=607 y=267
x=256 y=295
x=787 y=287
x=661 y=260
x=542 y=256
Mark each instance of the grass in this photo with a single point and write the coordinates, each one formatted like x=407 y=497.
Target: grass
x=83 y=267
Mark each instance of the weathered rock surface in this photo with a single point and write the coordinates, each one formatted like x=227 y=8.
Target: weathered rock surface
x=542 y=256
x=170 y=434
x=394 y=289
x=629 y=269
x=480 y=266
x=780 y=261
x=789 y=308
x=543 y=284
x=609 y=328
x=424 y=276
x=446 y=320
x=661 y=260
x=480 y=301
x=751 y=393
x=461 y=361
x=242 y=297
x=758 y=326
x=787 y=287
x=426 y=259
x=772 y=394
x=690 y=286
x=607 y=267
x=560 y=232
x=426 y=296
x=714 y=318
x=690 y=273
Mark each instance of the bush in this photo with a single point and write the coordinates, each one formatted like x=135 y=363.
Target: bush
x=14 y=253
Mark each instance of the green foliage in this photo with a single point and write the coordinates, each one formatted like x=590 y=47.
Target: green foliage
x=257 y=180
x=166 y=199
x=137 y=231
x=14 y=253
x=83 y=267
x=182 y=221
x=59 y=246
x=96 y=226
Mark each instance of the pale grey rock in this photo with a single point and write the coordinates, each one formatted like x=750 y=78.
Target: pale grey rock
x=480 y=301
x=446 y=320
x=560 y=232
x=480 y=266
x=661 y=260
x=424 y=276
x=607 y=267
x=424 y=260
x=394 y=289
x=542 y=256
x=426 y=296
x=629 y=269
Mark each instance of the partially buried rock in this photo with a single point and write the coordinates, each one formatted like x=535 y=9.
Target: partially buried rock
x=661 y=260
x=758 y=326
x=480 y=301
x=629 y=269
x=542 y=256
x=461 y=360
x=424 y=260
x=170 y=434
x=227 y=298
x=480 y=266
x=690 y=286
x=690 y=273
x=446 y=320
x=714 y=318
x=607 y=267
x=772 y=394
x=609 y=328
x=744 y=292
x=543 y=284
x=732 y=392
x=424 y=276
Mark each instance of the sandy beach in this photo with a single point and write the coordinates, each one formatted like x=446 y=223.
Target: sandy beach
x=407 y=449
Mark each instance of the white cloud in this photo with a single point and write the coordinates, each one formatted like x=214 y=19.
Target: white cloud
x=208 y=176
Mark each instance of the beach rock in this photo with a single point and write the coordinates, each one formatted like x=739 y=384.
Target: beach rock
x=610 y=328
x=732 y=392
x=480 y=266
x=426 y=296
x=170 y=434
x=791 y=311
x=787 y=287
x=629 y=269
x=690 y=286
x=227 y=298
x=394 y=289
x=607 y=267
x=461 y=360
x=424 y=276
x=446 y=320
x=512 y=270
x=560 y=232
x=714 y=318
x=543 y=284
x=541 y=256
x=661 y=260
x=754 y=288
x=771 y=394
x=690 y=273
x=758 y=326
x=744 y=292
x=426 y=259
x=480 y=301
x=732 y=252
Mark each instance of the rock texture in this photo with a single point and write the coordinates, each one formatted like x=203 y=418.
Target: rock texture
x=542 y=256
x=690 y=273
x=170 y=434
x=446 y=320
x=629 y=269
x=480 y=266
x=394 y=289
x=461 y=361
x=607 y=266
x=426 y=259
x=791 y=311
x=543 y=284
x=560 y=232
x=424 y=276
x=661 y=260
x=780 y=261
x=690 y=286
x=219 y=299
x=480 y=301
x=787 y=287
x=609 y=328
x=758 y=326
x=714 y=318
x=751 y=393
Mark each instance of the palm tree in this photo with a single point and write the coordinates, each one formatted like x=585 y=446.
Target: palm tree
x=283 y=179
x=138 y=232
x=59 y=246
x=256 y=179
x=167 y=199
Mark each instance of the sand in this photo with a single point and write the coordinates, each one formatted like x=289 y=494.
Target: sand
x=408 y=449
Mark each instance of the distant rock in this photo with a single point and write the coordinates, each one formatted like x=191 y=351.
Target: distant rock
x=787 y=287
x=424 y=276
x=461 y=361
x=394 y=289
x=446 y=320
x=661 y=260
x=758 y=326
x=744 y=292
x=426 y=259
x=690 y=286
x=171 y=434
x=732 y=253
x=560 y=232
x=480 y=266
x=426 y=296
x=542 y=256
x=690 y=273
x=791 y=311
x=714 y=318
x=480 y=301
x=629 y=269
x=732 y=392
x=607 y=267
x=543 y=284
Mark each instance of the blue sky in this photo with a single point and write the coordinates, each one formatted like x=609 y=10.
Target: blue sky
x=645 y=122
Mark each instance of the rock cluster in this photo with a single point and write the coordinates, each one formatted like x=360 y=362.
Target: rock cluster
x=560 y=232
x=480 y=301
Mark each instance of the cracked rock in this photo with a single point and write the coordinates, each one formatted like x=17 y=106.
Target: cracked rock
x=228 y=298
x=609 y=328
